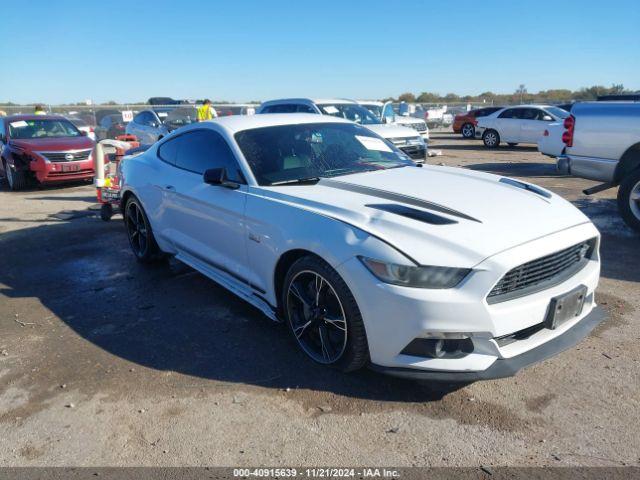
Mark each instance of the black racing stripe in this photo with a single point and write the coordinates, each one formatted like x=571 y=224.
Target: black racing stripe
x=413 y=213
x=395 y=197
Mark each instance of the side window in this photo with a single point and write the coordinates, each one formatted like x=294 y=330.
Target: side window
x=143 y=118
x=388 y=111
x=200 y=150
x=168 y=151
x=509 y=113
x=305 y=109
x=482 y=113
x=543 y=116
x=284 y=108
x=530 y=113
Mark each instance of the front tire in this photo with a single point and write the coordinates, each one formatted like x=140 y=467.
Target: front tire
x=141 y=239
x=323 y=315
x=16 y=179
x=629 y=200
x=468 y=130
x=491 y=139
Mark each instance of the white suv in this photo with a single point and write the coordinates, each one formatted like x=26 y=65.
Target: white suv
x=406 y=139
x=519 y=124
x=385 y=112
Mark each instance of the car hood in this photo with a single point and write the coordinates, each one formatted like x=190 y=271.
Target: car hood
x=53 y=144
x=435 y=212
x=387 y=130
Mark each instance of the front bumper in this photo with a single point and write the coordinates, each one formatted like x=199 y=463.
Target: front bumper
x=395 y=316
x=507 y=367
x=49 y=172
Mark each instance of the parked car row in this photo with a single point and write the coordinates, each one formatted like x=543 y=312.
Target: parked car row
x=408 y=140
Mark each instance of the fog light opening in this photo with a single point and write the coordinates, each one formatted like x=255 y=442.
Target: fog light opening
x=439 y=347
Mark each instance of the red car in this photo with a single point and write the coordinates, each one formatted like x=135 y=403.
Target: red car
x=465 y=123
x=44 y=148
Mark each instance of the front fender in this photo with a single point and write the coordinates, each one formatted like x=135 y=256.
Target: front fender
x=275 y=228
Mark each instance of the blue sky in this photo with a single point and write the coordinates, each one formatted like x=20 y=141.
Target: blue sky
x=64 y=51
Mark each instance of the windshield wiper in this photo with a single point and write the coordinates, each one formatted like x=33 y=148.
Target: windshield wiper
x=297 y=180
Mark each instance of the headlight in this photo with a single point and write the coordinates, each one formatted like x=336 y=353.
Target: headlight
x=425 y=276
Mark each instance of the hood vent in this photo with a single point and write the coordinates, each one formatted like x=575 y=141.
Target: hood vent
x=413 y=213
x=395 y=197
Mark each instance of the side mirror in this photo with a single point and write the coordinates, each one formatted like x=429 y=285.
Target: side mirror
x=547 y=118
x=218 y=176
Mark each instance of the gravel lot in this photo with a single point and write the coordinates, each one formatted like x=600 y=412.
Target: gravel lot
x=105 y=362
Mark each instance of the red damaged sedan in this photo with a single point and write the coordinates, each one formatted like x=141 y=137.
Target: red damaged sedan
x=45 y=149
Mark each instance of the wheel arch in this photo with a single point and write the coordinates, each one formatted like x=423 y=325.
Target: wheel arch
x=629 y=161
x=283 y=265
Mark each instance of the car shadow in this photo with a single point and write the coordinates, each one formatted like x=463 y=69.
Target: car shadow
x=480 y=147
x=61 y=198
x=168 y=317
x=518 y=169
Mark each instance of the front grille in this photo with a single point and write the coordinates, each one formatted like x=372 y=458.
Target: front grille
x=542 y=273
x=415 y=152
x=77 y=156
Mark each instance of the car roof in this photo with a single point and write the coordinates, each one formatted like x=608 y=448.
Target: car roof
x=338 y=101
x=15 y=118
x=310 y=100
x=370 y=102
x=535 y=105
x=237 y=123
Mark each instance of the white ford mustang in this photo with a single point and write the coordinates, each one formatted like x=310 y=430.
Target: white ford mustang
x=424 y=272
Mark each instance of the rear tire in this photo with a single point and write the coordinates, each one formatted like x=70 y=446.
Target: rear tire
x=141 y=239
x=106 y=212
x=491 y=138
x=629 y=200
x=323 y=315
x=468 y=130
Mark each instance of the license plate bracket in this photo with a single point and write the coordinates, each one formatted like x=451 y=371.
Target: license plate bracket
x=70 y=167
x=565 y=307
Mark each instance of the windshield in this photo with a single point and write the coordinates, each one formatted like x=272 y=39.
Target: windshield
x=180 y=117
x=375 y=109
x=287 y=153
x=45 y=128
x=350 y=111
x=558 y=112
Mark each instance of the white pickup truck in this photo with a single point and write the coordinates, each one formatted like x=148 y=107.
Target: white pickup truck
x=601 y=141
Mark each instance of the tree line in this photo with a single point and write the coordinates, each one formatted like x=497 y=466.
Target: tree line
x=520 y=95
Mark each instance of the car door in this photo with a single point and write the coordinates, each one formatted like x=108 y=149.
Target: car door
x=533 y=124
x=2 y=139
x=136 y=127
x=388 y=114
x=206 y=222
x=508 y=125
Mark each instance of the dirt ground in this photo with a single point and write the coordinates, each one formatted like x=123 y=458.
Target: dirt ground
x=105 y=362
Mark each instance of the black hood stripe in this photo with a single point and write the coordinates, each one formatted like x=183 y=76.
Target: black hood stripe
x=395 y=197
x=413 y=213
